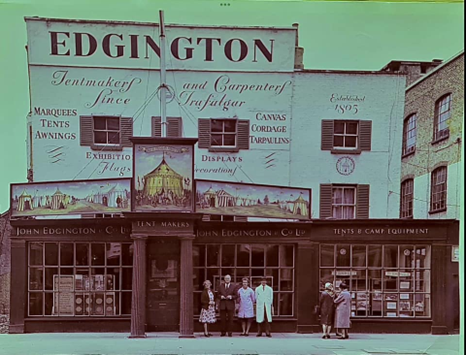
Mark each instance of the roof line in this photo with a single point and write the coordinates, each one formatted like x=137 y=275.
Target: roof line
x=437 y=68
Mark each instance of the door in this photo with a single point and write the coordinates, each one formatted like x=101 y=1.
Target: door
x=163 y=297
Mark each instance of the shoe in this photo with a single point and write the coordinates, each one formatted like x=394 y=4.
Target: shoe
x=246 y=335
x=328 y=336
x=268 y=335
x=324 y=336
x=223 y=334
x=230 y=335
x=259 y=335
x=206 y=335
x=242 y=335
x=210 y=335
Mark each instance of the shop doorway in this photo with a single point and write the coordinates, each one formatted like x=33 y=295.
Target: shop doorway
x=163 y=297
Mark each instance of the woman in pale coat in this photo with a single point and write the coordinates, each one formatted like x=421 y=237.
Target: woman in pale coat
x=264 y=301
x=343 y=311
x=246 y=299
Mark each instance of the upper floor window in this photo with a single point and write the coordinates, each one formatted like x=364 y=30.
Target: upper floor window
x=407 y=194
x=349 y=136
x=409 y=134
x=344 y=201
x=227 y=135
x=106 y=132
x=442 y=114
x=438 y=193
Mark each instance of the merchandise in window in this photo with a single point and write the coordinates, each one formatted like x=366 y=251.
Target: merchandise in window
x=384 y=280
x=212 y=262
x=79 y=279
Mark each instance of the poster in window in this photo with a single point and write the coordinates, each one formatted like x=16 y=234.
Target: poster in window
x=163 y=175
x=455 y=253
x=252 y=200
x=63 y=300
x=404 y=296
x=405 y=306
x=71 y=197
x=391 y=305
x=391 y=314
x=404 y=285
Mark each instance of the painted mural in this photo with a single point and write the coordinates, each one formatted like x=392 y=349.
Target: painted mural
x=71 y=197
x=238 y=199
x=163 y=177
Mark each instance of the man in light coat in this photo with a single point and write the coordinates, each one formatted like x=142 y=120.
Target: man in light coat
x=264 y=301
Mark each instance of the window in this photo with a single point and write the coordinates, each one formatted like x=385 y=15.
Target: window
x=173 y=127
x=275 y=261
x=438 y=195
x=344 y=201
x=409 y=134
x=346 y=136
x=390 y=281
x=407 y=194
x=79 y=279
x=223 y=134
x=442 y=114
x=106 y=132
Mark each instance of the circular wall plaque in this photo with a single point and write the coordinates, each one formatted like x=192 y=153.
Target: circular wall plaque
x=345 y=165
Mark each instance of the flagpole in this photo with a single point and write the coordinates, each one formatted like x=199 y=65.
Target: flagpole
x=163 y=93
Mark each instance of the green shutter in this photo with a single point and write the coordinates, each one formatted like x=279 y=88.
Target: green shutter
x=243 y=134
x=362 y=201
x=365 y=135
x=86 y=133
x=204 y=133
x=156 y=127
x=327 y=135
x=126 y=131
x=325 y=208
x=174 y=127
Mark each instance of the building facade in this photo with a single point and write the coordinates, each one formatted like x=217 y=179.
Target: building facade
x=257 y=117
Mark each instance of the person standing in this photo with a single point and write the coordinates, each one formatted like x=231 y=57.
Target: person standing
x=264 y=301
x=327 y=309
x=343 y=311
x=208 y=307
x=228 y=295
x=246 y=299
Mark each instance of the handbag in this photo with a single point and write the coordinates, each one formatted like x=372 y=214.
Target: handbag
x=316 y=310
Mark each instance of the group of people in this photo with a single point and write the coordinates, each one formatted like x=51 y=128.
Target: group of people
x=335 y=310
x=228 y=296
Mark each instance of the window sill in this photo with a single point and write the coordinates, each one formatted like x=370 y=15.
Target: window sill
x=441 y=139
x=407 y=217
x=106 y=148
x=345 y=151
x=408 y=154
x=437 y=211
x=224 y=149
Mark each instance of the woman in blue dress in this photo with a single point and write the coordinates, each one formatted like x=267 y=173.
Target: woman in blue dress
x=246 y=299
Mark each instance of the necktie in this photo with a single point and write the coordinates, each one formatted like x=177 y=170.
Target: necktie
x=228 y=285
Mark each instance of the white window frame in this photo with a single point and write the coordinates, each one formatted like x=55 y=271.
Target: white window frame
x=442 y=115
x=345 y=135
x=436 y=196
x=409 y=134
x=223 y=133
x=342 y=205
x=107 y=131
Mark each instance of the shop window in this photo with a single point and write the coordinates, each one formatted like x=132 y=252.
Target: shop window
x=106 y=132
x=173 y=127
x=441 y=117
x=223 y=135
x=79 y=279
x=346 y=136
x=344 y=201
x=438 y=192
x=251 y=261
x=395 y=282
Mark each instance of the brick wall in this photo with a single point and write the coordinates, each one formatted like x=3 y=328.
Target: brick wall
x=5 y=230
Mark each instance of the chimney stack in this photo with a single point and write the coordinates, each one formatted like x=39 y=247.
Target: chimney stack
x=299 y=51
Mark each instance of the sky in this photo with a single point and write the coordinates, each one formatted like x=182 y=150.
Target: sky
x=335 y=35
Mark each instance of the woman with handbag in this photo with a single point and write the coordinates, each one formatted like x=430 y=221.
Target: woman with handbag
x=208 y=307
x=327 y=310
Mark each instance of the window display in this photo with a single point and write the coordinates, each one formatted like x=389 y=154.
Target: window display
x=63 y=279
x=385 y=280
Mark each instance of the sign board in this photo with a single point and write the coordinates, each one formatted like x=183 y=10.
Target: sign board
x=63 y=300
x=238 y=199
x=71 y=197
x=455 y=253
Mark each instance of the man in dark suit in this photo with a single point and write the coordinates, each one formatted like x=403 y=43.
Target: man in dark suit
x=227 y=294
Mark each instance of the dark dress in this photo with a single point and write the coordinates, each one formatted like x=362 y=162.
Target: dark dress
x=327 y=309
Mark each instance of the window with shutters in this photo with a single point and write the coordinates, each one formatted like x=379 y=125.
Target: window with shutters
x=407 y=191
x=442 y=115
x=438 y=194
x=173 y=127
x=344 y=201
x=228 y=135
x=409 y=135
x=106 y=132
x=346 y=136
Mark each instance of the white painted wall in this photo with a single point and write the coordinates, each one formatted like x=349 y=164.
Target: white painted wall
x=422 y=195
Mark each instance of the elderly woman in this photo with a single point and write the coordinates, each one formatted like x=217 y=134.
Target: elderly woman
x=327 y=309
x=208 y=307
x=246 y=299
x=343 y=311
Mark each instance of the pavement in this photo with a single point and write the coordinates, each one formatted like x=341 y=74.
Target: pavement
x=280 y=343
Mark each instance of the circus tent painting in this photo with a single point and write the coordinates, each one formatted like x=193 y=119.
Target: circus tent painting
x=163 y=177
x=238 y=199
x=73 y=197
